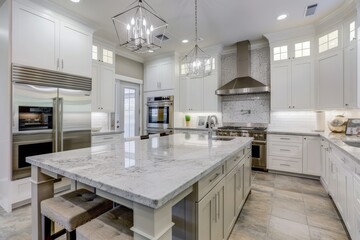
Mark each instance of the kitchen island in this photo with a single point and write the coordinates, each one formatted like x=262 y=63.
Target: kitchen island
x=150 y=176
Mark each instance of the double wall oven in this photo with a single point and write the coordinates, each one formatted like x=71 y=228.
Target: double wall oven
x=160 y=114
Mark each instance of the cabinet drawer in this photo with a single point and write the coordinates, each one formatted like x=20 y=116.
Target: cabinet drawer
x=105 y=138
x=285 y=164
x=293 y=150
x=205 y=184
x=285 y=138
x=231 y=163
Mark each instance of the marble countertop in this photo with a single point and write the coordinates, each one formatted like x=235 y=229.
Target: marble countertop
x=150 y=172
x=192 y=129
x=295 y=131
x=108 y=132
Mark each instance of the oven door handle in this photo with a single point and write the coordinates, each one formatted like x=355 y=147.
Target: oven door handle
x=168 y=104
x=259 y=142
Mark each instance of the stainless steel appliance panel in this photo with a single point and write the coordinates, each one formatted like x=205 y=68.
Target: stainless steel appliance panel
x=259 y=154
x=74 y=119
x=160 y=112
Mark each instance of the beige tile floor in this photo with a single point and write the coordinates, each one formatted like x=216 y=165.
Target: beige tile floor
x=279 y=207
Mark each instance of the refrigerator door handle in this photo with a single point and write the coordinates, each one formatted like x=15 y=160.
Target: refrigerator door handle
x=55 y=125
x=60 y=124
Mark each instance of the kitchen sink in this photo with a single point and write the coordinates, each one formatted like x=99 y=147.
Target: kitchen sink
x=222 y=138
x=353 y=143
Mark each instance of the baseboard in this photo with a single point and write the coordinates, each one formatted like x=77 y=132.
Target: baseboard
x=295 y=174
x=20 y=204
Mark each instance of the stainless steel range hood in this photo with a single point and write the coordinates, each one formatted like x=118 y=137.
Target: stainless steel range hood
x=243 y=83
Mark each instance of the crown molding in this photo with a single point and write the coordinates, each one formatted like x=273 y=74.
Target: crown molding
x=129 y=55
x=290 y=33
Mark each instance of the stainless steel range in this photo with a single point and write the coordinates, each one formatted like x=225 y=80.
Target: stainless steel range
x=258 y=132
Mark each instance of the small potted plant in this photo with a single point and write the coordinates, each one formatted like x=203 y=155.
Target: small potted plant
x=187 y=120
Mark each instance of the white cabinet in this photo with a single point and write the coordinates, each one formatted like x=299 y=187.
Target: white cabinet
x=230 y=208
x=356 y=232
x=103 y=53
x=325 y=163
x=292 y=84
x=311 y=156
x=350 y=77
x=247 y=174
x=103 y=88
x=44 y=41
x=210 y=214
x=198 y=94
x=330 y=89
x=106 y=139
x=297 y=154
x=292 y=75
x=159 y=76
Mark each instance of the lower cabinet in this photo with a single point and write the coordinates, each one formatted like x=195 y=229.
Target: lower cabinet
x=296 y=154
x=325 y=163
x=218 y=208
x=210 y=213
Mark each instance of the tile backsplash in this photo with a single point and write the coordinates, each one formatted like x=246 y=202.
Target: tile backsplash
x=251 y=108
x=100 y=120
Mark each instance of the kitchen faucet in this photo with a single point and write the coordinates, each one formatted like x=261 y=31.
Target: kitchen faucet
x=211 y=124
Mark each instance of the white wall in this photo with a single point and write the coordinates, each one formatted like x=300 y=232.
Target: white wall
x=5 y=103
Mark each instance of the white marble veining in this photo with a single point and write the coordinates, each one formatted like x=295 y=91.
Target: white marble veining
x=149 y=172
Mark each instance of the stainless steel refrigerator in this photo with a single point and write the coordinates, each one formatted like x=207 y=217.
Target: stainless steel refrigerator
x=51 y=112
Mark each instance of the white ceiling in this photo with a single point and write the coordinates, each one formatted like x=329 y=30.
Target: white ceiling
x=220 y=22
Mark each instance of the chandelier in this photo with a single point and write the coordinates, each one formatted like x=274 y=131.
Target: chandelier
x=197 y=63
x=139 y=28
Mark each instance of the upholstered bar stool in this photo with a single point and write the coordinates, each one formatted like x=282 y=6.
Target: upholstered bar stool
x=112 y=225
x=72 y=210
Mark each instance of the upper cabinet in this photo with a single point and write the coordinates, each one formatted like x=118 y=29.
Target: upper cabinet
x=160 y=75
x=198 y=94
x=292 y=75
x=103 y=78
x=50 y=42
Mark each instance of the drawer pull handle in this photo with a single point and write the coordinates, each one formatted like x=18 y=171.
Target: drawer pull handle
x=107 y=138
x=216 y=176
x=286 y=165
x=285 y=150
x=285 y=138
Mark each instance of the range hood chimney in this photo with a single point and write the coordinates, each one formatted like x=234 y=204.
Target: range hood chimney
x=243 y=83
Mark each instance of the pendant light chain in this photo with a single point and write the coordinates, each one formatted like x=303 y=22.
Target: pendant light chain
x=196 y=22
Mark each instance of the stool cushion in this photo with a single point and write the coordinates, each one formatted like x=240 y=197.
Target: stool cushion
x=75 y=208
x=115 y=225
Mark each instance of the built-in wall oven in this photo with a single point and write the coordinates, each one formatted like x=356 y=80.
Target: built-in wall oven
x=160 y=113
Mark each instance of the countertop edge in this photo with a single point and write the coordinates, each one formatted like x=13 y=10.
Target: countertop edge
x=106 y=133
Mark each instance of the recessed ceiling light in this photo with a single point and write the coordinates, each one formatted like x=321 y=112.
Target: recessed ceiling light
x=281 y=17
x=75 y=1
x=151 y=51
x=185 y=41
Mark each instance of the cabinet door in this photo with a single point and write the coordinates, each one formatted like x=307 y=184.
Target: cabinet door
x=107 y=89
x=210 y=214
x=302 y=72
x=350 y=77
x=239 y=188
x=350 y=200
x=230 y=209
x=341 y=192
x=324 y=167
x=167 y=76
x=311 y=156
x=95 y=90
x=357 y=223
x=211 y=100
x=247 y=174
x=330 y=81
x=152 y=76
x=194 y=94
x=280 y=86
x=333 y=178
x=34 y=38
x=75 y=50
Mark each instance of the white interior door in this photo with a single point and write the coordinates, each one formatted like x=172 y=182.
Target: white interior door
x=128 y=108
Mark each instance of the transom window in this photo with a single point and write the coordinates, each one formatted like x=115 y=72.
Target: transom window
x=94 y=52
x=280 y=53
x=302 y=49
x=329 y=41
x=352 y=31
x=108 y=56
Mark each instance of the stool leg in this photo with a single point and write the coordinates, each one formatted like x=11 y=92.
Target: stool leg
x=46 y=228
x=71 y=235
